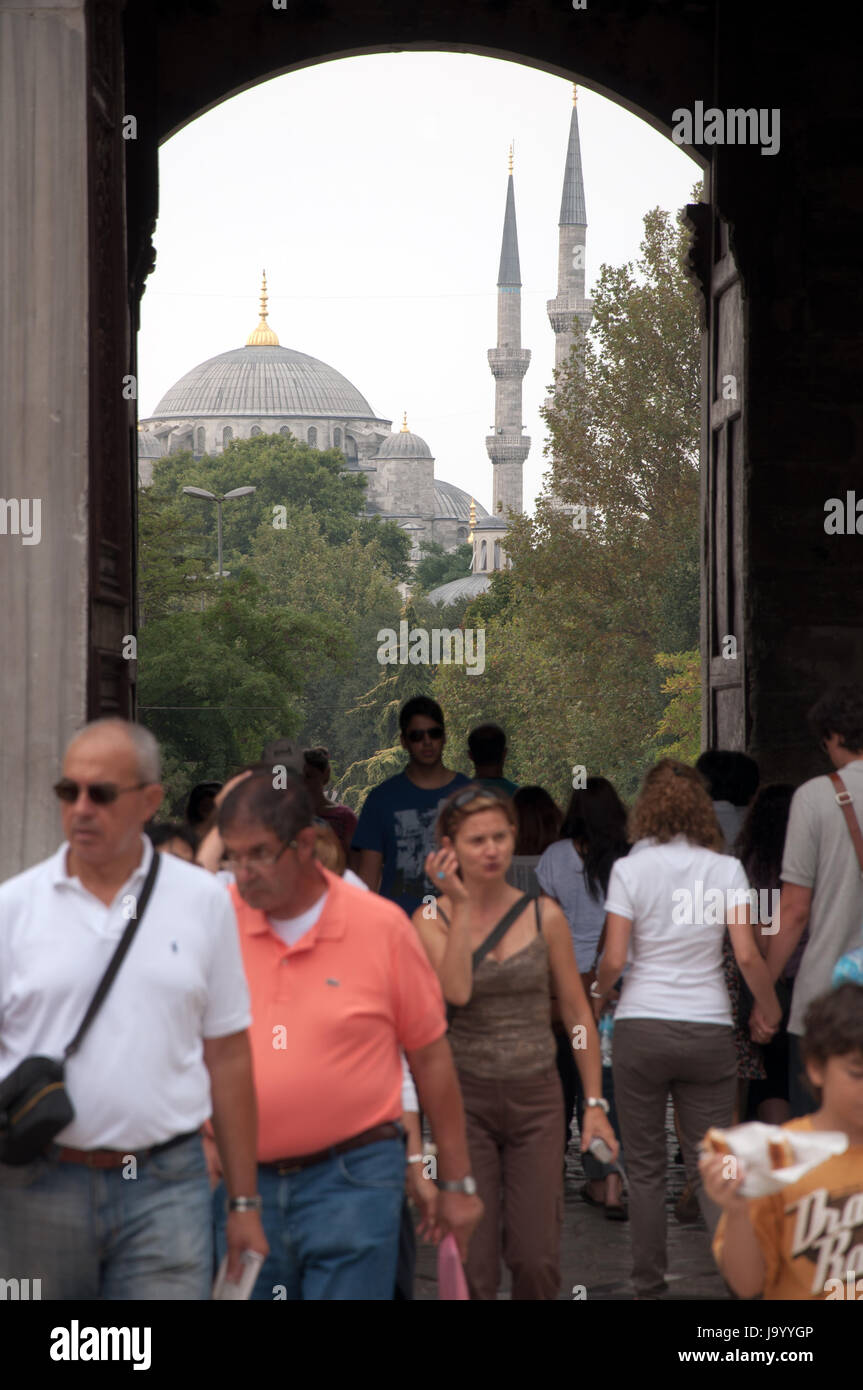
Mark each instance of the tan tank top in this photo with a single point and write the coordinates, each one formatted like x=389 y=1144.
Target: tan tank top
x=505 y=1028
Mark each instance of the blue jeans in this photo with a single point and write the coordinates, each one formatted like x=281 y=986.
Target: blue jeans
x=91 y=1233
x=333 y=1228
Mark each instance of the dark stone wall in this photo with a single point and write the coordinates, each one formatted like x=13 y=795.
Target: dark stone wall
x=793 y=221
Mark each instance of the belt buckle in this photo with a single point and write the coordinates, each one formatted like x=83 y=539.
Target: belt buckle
x=285 y=1169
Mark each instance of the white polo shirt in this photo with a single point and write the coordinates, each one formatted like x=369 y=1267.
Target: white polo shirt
x=139 y=1077
x=676 y=965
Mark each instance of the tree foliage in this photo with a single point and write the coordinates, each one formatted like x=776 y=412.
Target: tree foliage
x=573 y=629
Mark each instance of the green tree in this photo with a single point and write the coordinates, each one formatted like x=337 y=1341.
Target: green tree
x=681 y=718
x=572 y=631
x=350 y=587
x=216 y=685
x=288 y=476
x=379 y=708
x=439 y=566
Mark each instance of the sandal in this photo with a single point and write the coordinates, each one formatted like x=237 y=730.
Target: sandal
x=616 y=1211
x=591 y=1201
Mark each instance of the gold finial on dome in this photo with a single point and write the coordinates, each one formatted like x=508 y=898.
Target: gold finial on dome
x=510 y=156
x=404 y=429
x=574 y=95
x=263 y=336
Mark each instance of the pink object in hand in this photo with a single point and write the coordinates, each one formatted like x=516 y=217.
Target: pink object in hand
x=450 y=1274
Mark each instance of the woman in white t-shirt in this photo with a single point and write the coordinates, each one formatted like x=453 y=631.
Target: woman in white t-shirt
x=668 y=905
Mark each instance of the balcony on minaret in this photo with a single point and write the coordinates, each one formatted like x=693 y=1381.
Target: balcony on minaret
x=507 y=447
x=566 y=307
x=508 y=361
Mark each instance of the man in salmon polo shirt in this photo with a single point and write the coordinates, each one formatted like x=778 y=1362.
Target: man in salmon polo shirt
x=338 y=983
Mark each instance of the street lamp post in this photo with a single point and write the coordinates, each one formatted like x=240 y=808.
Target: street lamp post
x=211 y=497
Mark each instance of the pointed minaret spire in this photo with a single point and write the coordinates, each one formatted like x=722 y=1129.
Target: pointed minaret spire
x=572 y=208
x=507 y=447
x=571 y=303
x=509 y=272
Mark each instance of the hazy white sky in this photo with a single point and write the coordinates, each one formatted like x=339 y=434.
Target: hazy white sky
x=372 y=191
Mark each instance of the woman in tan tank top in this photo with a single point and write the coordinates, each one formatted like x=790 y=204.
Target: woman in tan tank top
x=502 y=1043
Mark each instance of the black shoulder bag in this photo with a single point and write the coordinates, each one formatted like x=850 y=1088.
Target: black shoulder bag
x=34 y=1104
x=491 y=941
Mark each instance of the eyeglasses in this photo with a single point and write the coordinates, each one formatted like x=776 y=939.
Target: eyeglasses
x=100 y=793
x=417 y=735
x=257 y=858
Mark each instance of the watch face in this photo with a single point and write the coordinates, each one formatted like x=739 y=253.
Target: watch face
x=469 y=1186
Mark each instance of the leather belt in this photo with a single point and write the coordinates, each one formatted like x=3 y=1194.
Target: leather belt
x=283 y=1166
x=113 y=1158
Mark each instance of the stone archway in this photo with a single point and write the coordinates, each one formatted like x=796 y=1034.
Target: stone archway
x=90 y=87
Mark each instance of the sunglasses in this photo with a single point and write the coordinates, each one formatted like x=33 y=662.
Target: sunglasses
x=417 y=735
x=100 y=793
x=473 y=793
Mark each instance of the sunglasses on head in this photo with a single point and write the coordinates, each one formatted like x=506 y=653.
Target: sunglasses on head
x=473 y=793
x=100 y=793
x=417 y=735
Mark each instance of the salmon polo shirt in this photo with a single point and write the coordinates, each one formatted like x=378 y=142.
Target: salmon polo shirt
x=329 y=1015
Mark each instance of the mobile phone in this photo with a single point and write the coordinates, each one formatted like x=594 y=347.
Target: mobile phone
x=600 y=1150
x=225 y=1289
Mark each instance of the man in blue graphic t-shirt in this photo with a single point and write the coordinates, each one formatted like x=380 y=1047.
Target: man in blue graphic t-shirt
x=396 y=826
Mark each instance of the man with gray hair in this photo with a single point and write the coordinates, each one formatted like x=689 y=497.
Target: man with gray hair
x=119 y=1206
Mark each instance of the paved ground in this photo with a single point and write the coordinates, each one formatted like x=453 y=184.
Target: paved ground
x=596 y=1251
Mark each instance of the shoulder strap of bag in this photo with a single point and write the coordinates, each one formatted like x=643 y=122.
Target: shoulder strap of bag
x=843 y=796
x=500 y=930
x=117 y=959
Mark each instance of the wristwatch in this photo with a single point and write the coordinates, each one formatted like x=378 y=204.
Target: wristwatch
x=466 y=1185
x=246 y=1204
x=597 y=1100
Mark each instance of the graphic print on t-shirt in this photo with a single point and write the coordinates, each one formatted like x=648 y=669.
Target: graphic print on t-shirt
x=414 y=834
x=828 y=1232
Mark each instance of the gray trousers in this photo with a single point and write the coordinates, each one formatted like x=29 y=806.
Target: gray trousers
x=695 y=1063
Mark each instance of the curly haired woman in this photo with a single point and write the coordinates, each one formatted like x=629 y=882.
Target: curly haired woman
x=668 y=905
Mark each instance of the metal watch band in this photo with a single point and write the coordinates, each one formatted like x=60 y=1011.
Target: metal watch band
x=597 y=1100
x=246 y=1204
x=415 y=1158
x=465 y=1185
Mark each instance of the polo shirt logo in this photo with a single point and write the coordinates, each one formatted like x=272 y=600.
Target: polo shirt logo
x=333 y=982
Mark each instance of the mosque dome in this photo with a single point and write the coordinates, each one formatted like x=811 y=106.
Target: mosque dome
x=263 y=381
x=263 y=378
x=453 y=503
x=404 y=445
x=470 y=587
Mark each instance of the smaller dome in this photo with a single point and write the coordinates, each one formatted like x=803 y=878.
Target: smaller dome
x=470 y=587
x=404 y=445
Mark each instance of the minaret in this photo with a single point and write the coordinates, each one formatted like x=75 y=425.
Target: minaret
x=508 y=447
x=571 y=303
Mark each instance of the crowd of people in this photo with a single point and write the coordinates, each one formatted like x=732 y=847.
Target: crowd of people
x=327 y=1034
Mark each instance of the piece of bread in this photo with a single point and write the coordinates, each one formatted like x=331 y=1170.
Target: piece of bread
x=715 y=1143
x=780 y=1153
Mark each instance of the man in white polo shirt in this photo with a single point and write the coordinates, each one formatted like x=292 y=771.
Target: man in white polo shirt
x=119 y=1206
